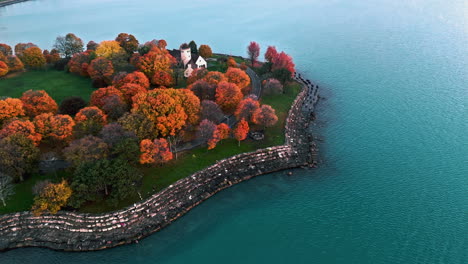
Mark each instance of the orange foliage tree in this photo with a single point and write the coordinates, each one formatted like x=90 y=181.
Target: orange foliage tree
x=164 y=108
x=33 y=58
x=14 y=63
x=241 y=130
x=89 y=120
x=23 y=127
x=205 y=51
x=155 y=60
x=223 y=130
x=135 y=77
x=54 y=127
x=231 y=62
x=228 y=96
x=98 y=97
x=191 y=105
x=246 y=109
x=265 y=116
x=238 y=77
x=3 y=69
x=5 y=49
x=38 y=102
x=21 y=47
x=79 y=63
x=197 y=74
x=129 y=90
x=52 y=198
x=101 y=69
x=156 y=151
x=9 y=108
x=215 y=77
x=162 y=78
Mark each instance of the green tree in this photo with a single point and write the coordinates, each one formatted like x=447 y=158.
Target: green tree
x=18 y=155
x=68 y=45
x=193 y=46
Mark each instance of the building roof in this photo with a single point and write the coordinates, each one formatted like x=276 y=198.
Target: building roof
x=184 y=46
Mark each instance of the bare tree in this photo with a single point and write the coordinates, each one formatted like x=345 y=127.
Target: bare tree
x=6 y=187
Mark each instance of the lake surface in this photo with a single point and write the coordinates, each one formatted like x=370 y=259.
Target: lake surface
x=393 y=186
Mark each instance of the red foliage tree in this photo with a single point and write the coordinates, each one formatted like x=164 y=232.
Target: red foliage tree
x=98 y=97
x=246 y=109
x=265 y=116
x=241 y=130
x=54 y=127
x=240 y=78
x=156 y=151
x=163 y=108
x=162 y=78
x=228 y=96
x=271 y=53
x=91 y=113
x=38 y=102
x=5 y=49
x=203 y=90
x=9 y=108
x=283 y=61
x=3 y=69
x=254 y=51
x=162 y=44
x=214 y=77
x=79 y=63
x=129 y=90
x=23 y=127
x=101 y=69
x=197 y=74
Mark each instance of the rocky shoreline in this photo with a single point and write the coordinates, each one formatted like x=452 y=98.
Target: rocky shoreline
x=10 y=2
x=86 y=232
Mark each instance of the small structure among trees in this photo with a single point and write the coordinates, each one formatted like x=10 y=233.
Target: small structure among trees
x=187 y=59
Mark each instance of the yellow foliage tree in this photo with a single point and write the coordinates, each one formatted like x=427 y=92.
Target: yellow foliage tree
x=110 y=49
x=52 y=198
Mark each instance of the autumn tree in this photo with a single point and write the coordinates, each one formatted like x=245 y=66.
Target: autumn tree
x=214 y=77
x=101 y=69
x=110 y=49
x=135 y=77
x=246 y=109
x=155 y=60
x=162 y=78
x=71 y=105
x=162 y=44
x=211 y=111
x=58 y=128
x=203 y=90
x=52 y=198
x=243 y=66
x=14 y=63
x=231 y=62
x=89 y=121
x=270 y=54
x=139 y=124
x=114 y=133
x=5 y=49
x=38 y=102
x=114 y=106
x=92 y=45
x=265 y=116
x=164 y=108
x=205 y=51
x=98 y=96
x=215 y=138
x=206 y=130
x=3 y=69
x=18 y=155
x=191 y=105
x=272 y=86
x=9 y=108
x=283 y=61
x=23 y=127
x=156 y=151
x=241 y=130
x=33 y=58
x=87 y=149
x=79 y=63
x=253 y=50
x=228 y=96
x=128 y=42
x=238 y=77
x=21 y=47
x=51 y=57
x=197 y=74
x=6 y=187
x=223 y=130
x=129 y=90
x=68 y=45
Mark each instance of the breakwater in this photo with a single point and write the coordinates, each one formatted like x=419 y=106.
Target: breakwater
x=10 y=2
x=84 y=232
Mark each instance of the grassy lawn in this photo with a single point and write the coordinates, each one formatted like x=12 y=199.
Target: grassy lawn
x=58 y=84
x=155 y=178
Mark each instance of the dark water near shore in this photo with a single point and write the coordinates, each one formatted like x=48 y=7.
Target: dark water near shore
x=394 y=184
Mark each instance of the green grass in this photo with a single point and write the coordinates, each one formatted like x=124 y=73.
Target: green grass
x=160 y=177
x=58 y=84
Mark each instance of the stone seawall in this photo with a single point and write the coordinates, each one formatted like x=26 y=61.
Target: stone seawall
x=10 y=2
x=84 y=232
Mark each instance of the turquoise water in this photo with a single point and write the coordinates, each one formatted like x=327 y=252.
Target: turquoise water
x=393 y=186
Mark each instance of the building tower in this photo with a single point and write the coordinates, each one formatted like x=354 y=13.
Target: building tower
x=185 y=53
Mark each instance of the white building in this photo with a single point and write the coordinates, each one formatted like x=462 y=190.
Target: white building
x=188 y=60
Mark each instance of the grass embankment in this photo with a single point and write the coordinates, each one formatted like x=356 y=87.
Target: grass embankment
x=58 y=84
x=155 y=178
